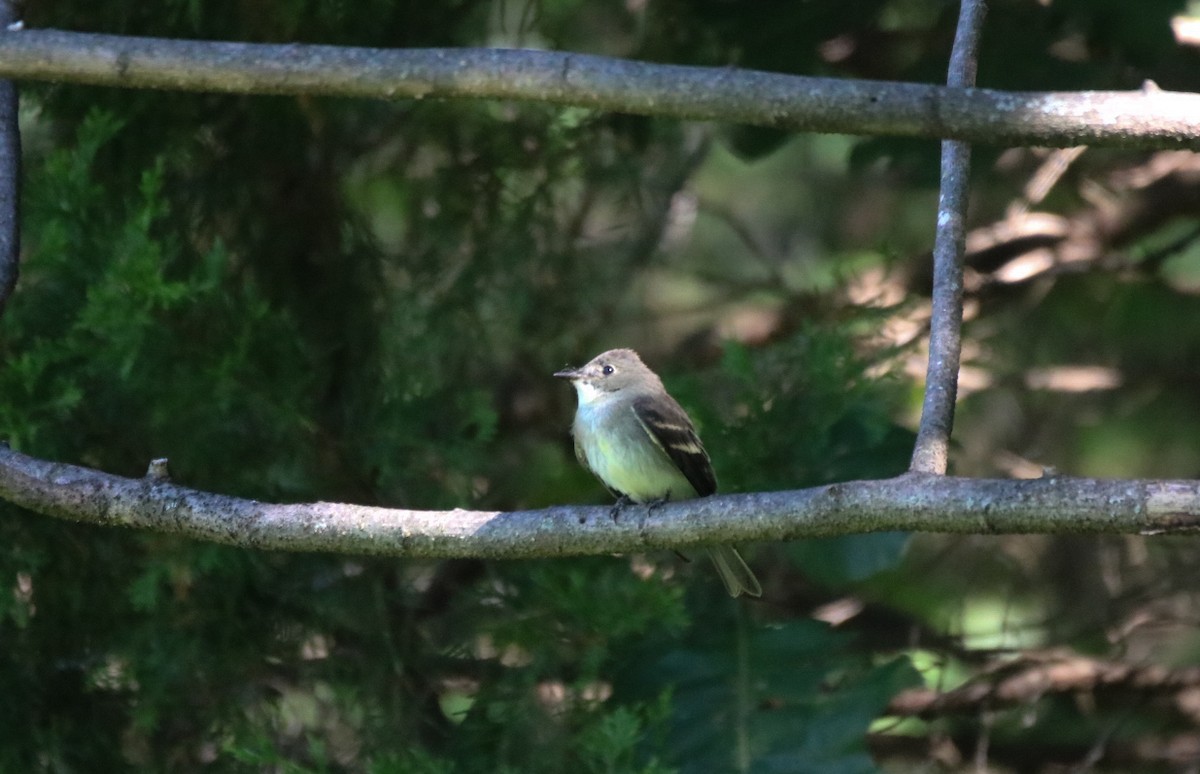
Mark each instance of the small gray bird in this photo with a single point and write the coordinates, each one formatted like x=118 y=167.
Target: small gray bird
x=643 y=447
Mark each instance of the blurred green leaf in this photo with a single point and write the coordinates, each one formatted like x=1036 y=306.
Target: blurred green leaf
x=773 y=697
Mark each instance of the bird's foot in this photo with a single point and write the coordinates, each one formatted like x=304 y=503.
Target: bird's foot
x=622 y=502
x=654 y=505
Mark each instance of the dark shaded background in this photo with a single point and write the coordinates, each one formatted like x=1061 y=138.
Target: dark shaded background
x=302 y=299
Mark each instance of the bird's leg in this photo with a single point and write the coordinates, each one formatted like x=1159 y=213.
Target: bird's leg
x=622 y=502
x=654 y=505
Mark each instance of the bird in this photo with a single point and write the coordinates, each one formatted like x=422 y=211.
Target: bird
x=633 y=436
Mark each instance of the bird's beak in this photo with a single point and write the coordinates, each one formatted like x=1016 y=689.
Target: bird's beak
x=568 y=373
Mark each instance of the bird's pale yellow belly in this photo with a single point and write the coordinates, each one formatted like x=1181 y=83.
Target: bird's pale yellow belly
x=631 y=463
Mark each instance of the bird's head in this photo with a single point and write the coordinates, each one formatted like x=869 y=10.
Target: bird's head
x=610 y=372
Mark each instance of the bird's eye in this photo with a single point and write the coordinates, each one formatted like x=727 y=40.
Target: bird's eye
x=607 y=370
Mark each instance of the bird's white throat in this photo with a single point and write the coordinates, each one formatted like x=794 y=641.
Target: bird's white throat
x=587 y=392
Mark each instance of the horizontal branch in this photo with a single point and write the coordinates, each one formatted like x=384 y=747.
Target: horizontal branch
x=912 y=502
x=1149 y=118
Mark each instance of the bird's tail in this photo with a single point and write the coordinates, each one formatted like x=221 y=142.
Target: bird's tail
x=734 y=572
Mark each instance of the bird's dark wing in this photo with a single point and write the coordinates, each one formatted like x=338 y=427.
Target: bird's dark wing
x=671 y=428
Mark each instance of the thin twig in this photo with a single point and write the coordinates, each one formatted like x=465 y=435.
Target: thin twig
x=10 y=173
x=1033 y=676
x=931 y=453
x=1147 y=118
x=1048 y=175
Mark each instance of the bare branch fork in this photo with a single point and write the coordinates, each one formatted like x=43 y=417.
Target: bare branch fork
x=921 y=500
x=1149 y=118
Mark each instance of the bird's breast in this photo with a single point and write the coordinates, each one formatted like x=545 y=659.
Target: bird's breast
x=623 y=456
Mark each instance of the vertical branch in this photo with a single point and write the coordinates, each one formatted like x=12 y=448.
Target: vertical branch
x=931 y=454
x=10 y=170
